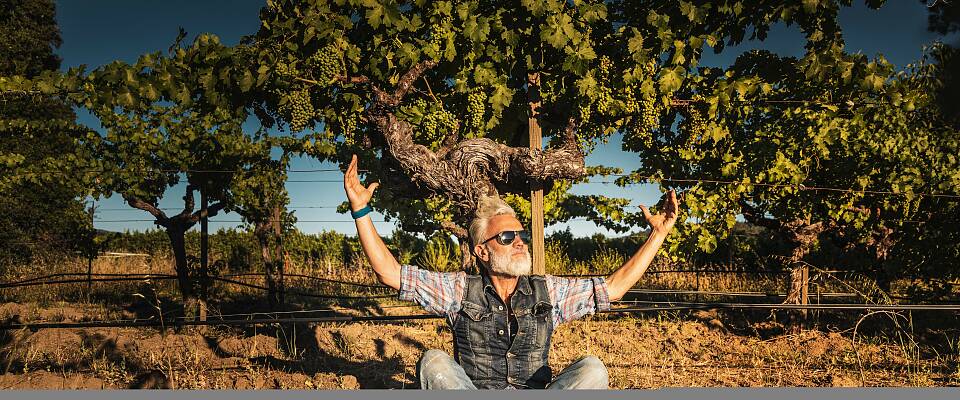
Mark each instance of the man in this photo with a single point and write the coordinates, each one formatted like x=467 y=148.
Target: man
x=502 y=320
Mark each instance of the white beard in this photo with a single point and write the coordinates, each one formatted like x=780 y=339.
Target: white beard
x=504 y=264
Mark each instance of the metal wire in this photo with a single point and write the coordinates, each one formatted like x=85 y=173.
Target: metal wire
x=171 y=277
x=383 y=318
x=731 y=294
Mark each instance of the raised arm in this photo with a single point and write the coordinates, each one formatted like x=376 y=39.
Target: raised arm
x=384 y=264
x=621 y=280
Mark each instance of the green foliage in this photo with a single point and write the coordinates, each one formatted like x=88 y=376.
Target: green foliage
x=440 y=254
x=37 y=214
x=749 y=139
x=615 y=66
x=605 y=261
x=772 y=130
x=28 y=34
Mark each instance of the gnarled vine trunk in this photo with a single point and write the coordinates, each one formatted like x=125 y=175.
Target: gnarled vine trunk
x=464 y=170
x=176 y=228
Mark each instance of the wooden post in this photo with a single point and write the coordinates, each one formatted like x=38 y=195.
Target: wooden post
x=93 y=250
x=536 y=187
x=204 y=252
x=281 y=255
x=805 y=290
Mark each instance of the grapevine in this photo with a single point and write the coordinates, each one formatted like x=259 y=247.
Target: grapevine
x=436 y=125
x=326 y=64
x=650 y=112
x=438 y=35
x=476 y=107
x=286 y=71
x=299 y=107
x=695 y=124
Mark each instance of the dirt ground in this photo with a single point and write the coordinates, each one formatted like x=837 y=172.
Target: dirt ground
x=640 y=352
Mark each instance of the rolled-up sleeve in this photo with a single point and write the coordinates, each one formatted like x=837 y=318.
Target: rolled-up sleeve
x=439 y=293
x=574 y=298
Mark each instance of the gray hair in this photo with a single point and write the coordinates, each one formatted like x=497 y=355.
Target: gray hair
x=489 y=207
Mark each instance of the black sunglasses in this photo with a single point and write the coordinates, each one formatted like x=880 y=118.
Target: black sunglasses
x=506 y=237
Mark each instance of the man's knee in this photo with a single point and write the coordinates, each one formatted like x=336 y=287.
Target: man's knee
x=593 y=372
x=433 y=358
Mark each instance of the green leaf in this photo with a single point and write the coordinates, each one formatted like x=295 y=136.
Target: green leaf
x=246 y=82
x=670 y=80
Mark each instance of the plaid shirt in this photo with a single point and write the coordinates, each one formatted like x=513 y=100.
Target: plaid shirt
x=440 y=293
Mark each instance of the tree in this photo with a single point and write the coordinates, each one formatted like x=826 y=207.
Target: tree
x=166 y=120
x=770 y=139
x=261 y=198
x=37 y=210
x=440 y=92
x=929 y=247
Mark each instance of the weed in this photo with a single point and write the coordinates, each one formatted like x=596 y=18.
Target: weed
x=440 y=255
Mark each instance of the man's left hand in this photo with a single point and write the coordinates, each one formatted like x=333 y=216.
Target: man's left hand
x=663 y=222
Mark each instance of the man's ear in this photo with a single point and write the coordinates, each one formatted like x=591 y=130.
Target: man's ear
x=481 y=252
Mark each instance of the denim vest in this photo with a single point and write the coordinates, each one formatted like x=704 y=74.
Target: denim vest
x=481 y=337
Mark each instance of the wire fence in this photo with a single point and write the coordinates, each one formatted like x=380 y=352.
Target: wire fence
x=635 y=306
x=655 y=306
x=634 y=178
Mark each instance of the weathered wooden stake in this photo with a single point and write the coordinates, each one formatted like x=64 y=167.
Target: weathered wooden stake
x=805 y=291
x=536 y=187
x=204 y=253
x=93 y=250
x=281 y=254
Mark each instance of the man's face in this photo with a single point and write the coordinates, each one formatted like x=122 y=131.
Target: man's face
x=512 y=259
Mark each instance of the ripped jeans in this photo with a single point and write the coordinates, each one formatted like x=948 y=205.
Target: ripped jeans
x=437 y=370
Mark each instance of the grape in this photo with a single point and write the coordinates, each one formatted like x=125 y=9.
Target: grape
x=436 y=125
x=299 y=109
x=695 y=123
x=326 y=64
x=476 y=107
x=350 y=124
x=650 y=112
x=438 y=33
x=605 y=64
x=285 y=70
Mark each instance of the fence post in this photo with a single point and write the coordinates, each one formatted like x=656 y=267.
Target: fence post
x=281 y=254
x=92 y=250
x=805 y=291
x=204 y=252
x=536 y=187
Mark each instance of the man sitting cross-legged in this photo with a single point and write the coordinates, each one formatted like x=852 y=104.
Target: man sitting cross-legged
x=502 y=320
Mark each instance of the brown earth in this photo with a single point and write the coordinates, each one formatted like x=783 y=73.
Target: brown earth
x=647 y=352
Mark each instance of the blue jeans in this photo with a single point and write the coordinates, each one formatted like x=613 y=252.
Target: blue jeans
x=437 y=370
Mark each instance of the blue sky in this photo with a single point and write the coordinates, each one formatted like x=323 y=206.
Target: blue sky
x=100 y=31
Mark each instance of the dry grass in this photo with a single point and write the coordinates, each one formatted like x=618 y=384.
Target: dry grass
x=646 y=351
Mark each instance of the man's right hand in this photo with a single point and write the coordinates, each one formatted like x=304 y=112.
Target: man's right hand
x=358 y=195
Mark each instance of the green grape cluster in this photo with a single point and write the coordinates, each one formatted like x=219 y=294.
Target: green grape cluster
x=326 y=64
x=299 y=108
x=695 y=123
x=604 y=95
x=350 y=124
x=436 y=125
x=605 y=64
x=604 y=100
x=438 y=33
x=630 y=104
x=285 y=70
x=650 y=112
x=476 y=107
x=583 y=109
x=420 y=104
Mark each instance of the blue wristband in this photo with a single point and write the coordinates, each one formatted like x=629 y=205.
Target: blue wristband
x=361 y=212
